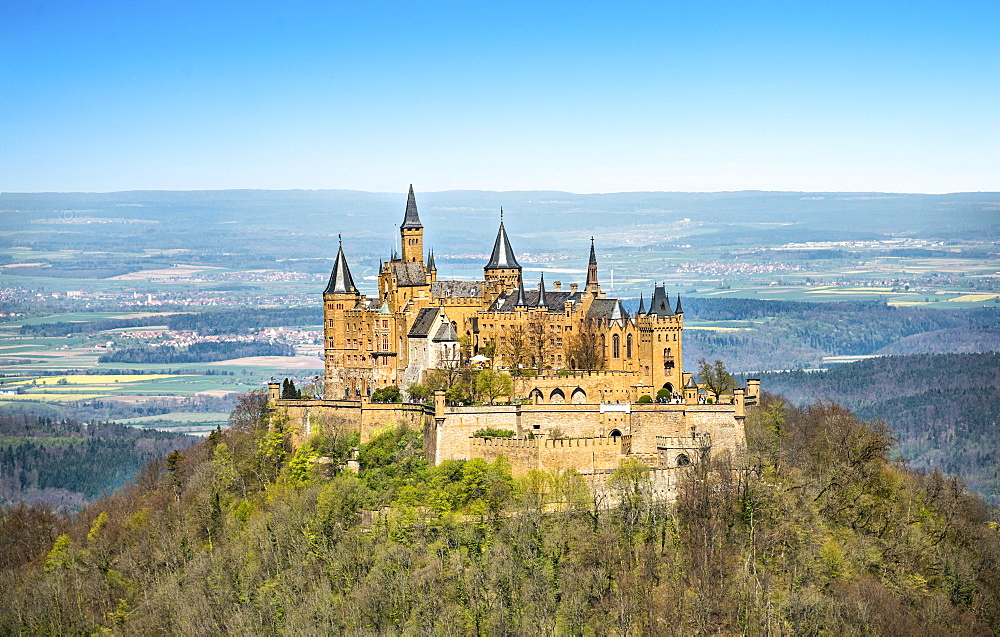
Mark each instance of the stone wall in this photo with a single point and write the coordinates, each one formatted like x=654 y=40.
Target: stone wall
x=308 y=417
x=586 y=455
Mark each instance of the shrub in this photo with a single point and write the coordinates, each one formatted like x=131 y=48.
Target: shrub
x=645 y=399
x=492 y=432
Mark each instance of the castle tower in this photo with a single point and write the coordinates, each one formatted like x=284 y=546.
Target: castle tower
x=411 y=233
x=592 y=285
x=661 y=343
x=503 y=267
x=339 y=297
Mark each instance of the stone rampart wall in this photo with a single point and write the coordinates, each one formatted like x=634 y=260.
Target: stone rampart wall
x=308 y=417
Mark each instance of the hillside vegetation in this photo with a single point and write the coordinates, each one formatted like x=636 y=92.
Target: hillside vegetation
x=944 y=408
x=815 y=531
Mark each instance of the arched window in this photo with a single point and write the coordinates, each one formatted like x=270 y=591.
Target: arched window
x=615 y=346
x=628 y=346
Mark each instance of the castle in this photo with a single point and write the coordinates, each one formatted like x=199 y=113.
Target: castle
x=582 y=365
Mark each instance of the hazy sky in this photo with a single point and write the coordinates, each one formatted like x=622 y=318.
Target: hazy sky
x=578 y=96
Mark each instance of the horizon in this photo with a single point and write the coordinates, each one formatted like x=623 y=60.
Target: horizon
x=885 y=97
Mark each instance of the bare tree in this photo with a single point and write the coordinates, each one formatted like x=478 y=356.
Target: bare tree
x=584 y=349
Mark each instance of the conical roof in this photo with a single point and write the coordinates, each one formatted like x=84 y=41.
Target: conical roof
x=660 y=305
x=678 y=309
x=503 y=255
x=341 y=281
x=642 y=306
x=411 y=220
x=520 y=300
x=690 y=384
x=431 y=266
x=542 y=301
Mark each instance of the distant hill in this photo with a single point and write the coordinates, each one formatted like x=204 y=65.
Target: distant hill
x=944 y=408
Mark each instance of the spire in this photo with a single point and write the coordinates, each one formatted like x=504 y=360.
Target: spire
x=660 y=304
x=431 y=266
x=542 y=301
x=341 y=281
x=503 y=255
x=642 y=306
x=520 y=301
x=411 y=221
x=679 y=309
x=592 y=285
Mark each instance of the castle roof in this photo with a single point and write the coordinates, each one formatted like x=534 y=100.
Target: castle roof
x=341 y=281
x=431 y=266
x=457 y=289
x=540 y=299
x=678 y=309
x=593 y=255
x=690 y=384
x=520 y=300
x=411 y=220
x=554 y=301
x=660 y=305
x=642 y=306
x=408 y=274
x=503 y=255
x=446 y=332
x=424 y=322
x=608 y=309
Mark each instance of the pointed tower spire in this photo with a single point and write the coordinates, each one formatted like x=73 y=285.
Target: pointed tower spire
x=660 y=305
x=678 y=309
x=431 y=266
x=341 y=281
x=503 y=255
x=520 y=301
x=592 y=285
x=542 y=301
x=411 y=220
x=642 y=306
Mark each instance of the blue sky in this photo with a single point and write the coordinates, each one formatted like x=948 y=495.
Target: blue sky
x=585 y=97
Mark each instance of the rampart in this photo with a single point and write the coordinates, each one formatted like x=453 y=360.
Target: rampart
x=308 y=417
x=588 y=455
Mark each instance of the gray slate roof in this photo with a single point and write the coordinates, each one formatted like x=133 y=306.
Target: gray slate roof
x=607 y=309
x=555 y=301
x=341 y=281
x=422 y=324
x=408 y=274
x=503 y=255
x=457 y=289
x=660 y=305
x=411 y=220
x=445 y=333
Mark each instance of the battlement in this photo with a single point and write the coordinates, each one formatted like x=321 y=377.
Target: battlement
x=697 y=441
x=602 y=442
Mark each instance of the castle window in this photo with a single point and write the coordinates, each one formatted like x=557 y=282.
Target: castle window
x=628 y=346
x=615 y=346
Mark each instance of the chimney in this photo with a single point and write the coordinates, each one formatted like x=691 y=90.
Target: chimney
x=573 y=287
x=557 y=285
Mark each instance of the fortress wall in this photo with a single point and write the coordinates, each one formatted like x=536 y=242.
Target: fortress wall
x=308 y=417
x=451 y=439
x=586 y=455
x=650 y=421
x=720 y=422
x=523 y=455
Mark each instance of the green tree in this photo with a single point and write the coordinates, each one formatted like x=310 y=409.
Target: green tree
x=492 y=384
x=715 y=378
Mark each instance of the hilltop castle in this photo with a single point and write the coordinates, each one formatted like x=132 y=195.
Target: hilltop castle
x=582 y=367
x=418 y=323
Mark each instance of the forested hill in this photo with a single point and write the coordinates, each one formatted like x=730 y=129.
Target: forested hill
x=781 y=335
x=815 y=531
x=944 y=408
x=67 y=463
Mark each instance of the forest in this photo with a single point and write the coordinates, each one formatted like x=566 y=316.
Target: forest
x=69 y=463
x=815 y=529
x=196 y=352
x=942 y=407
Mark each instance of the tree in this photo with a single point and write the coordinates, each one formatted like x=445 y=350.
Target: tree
x=583 y=349
x=288 y=390
x=515 y=350
x=715 y=378
x=492 y=384
x=388 y=394
x=539 y=341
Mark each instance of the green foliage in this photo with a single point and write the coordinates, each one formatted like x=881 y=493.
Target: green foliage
x=814 y=531
x=715 y=378
x=493 y=432
x=390 y=394
x=645 y=399
x=289 y=391
x=661 y=394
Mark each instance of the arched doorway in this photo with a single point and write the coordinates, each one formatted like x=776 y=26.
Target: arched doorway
x=669 y=387
x=535 y=396
x=615 y=433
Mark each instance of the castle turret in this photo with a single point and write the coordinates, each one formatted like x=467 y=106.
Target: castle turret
x=502 y=265
x=339 y=297
x=432 y=267
x=541 y=301
x=592 y=285
x=642 y=306
x=411 y=232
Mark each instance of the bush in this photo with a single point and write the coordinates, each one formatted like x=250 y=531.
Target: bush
x=662 y=393
x=390 y=394
x=492 y=432
x=645 y=399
